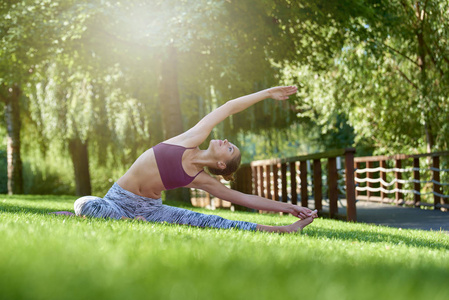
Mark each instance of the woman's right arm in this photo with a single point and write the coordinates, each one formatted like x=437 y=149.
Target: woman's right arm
x=198 y=134
x=214 y=187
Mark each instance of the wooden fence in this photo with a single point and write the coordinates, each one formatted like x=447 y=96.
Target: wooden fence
x=376 y=175
x=371 y=178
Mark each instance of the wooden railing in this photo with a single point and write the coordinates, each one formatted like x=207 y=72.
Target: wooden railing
x=415 y=180
x=278 y=179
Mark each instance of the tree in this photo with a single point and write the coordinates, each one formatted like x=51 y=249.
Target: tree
x=179 y=40
x=25 y=33
x=390 y=78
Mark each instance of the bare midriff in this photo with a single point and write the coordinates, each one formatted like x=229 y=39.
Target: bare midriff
x=143 y=177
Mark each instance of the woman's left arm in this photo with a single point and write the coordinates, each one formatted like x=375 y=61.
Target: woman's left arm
x=198 y=134
x=214 y=187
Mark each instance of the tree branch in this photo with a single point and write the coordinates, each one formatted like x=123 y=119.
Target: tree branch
x=403 y=55
x=405 y=77
x=424 y=10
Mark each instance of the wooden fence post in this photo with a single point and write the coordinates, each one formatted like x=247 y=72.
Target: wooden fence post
x=333 y=186
x=398 y=176
x=268 y=181
x=350 y=185
x=436 y=177
x=383 y=176
x=284 y=182
x=303 y=177
x=317 y=184
x=254 y=179
x=416 y=184
x=294 y=186
x=249 y=178
x=369 y=175
x=261 y=182
x=275 y=182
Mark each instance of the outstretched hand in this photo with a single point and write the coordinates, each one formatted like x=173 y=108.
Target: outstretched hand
x=304 y=212
x=282 y=92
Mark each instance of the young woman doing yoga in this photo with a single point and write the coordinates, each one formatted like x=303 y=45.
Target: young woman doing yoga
x=178 y=162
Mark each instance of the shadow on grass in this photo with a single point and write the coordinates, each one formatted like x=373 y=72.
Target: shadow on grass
x=22 y=203
x=376 y=237
x=28 y=209
x=17 y=207
x=344 y=235
x=55 y=198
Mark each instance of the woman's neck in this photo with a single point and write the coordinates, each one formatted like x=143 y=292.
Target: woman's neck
x=202 y=158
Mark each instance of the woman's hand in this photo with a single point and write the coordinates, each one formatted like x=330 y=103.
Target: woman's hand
x=303 y=212
x=140 y=218
x=282 y=92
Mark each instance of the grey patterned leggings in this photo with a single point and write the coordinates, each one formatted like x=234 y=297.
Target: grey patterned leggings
x=119 y=203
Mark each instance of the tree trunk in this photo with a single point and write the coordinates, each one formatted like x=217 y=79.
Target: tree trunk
x=171 y=108
x=423 y=75
x=80 y=160
x=13 y=124
x=429 y=135
x=169 y=95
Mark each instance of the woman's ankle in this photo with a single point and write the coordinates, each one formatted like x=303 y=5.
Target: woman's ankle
x=277 y=229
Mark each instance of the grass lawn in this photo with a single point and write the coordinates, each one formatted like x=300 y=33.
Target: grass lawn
x=56 y=257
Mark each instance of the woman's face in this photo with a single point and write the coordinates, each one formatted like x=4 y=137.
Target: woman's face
x=224 y=149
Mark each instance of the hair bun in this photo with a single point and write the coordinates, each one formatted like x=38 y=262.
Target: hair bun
x=228 y=177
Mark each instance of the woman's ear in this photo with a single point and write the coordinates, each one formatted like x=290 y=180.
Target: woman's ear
x=221 y=165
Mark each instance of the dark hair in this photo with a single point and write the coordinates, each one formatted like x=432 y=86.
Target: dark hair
x=231 y=168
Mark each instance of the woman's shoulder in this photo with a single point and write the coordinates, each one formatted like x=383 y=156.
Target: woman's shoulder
x=186 y=140
x=205 y=179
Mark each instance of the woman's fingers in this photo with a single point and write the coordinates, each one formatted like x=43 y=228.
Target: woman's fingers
x=291 y=90
x=282 y=92
x=304 y=212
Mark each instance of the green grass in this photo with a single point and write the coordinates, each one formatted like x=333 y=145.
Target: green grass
x=55 y=257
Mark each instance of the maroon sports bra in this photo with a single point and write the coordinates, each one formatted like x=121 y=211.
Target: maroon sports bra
x=169 y=162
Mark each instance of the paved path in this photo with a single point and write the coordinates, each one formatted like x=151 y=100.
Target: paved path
x=400 y=217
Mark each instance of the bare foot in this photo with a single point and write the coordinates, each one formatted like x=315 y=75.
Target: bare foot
x=299 y=225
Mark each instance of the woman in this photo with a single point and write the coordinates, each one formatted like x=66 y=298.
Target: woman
x=178 y=162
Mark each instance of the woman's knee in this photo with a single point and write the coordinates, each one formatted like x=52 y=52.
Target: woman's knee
x=92 y=206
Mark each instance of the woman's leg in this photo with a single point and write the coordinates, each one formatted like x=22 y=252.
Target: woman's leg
x=97 y=207
x=297 y=226
x=176 y=215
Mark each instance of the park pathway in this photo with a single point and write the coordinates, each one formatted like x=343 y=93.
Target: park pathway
x=400 y=217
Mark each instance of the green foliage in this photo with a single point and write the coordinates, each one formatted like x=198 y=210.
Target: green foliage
x=101 y=83
x=390 y=78
x=46 y=172
x=111 y=259
x=30 y=31
x=300 y=139
x=373 y=74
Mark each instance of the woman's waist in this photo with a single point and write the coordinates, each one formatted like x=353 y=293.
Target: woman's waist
x=119 y=194
x=148 y=190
